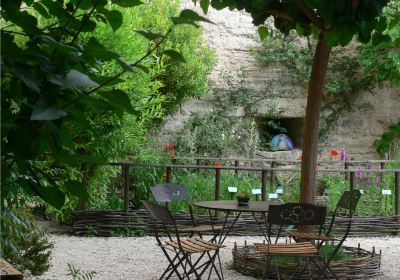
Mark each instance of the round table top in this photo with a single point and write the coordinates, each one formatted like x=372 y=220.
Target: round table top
x=233 y=205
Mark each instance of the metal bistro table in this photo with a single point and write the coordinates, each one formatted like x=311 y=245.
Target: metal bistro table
x=229 y=206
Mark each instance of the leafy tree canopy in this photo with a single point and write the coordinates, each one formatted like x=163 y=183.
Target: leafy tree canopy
x=50 y=61
x=339 y=19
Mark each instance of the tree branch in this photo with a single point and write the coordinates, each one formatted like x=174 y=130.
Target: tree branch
x=149 y=52
x=280 y=14
x=85 y=20
x=354 y=4
x=311 y=15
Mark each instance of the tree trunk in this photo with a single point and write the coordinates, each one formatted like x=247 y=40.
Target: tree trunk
x=310 y=140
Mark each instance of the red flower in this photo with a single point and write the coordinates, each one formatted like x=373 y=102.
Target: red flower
x=334 y=153
x=165 y=148
x=173 y=154
x=171 y=146
x=217 y=164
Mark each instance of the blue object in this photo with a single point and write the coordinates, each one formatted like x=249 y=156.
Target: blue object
x=281 y=142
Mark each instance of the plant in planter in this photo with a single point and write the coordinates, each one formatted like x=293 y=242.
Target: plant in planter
x=243 y=198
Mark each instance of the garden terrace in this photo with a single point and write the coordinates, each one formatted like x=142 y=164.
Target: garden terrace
x=380 y=219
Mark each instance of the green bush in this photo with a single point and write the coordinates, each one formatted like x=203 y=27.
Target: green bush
x=26 y=247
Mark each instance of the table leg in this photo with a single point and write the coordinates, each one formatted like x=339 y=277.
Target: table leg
x=223 y=234
x=262 y=230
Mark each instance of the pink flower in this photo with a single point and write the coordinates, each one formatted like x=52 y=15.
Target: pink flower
x=343 y=156
x=171 y=146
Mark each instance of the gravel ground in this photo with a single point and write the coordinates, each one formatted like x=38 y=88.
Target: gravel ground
x=139 y=257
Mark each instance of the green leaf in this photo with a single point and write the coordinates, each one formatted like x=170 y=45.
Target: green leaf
x=61 y=47
x=189 y=17
x=41 y=9
x=204 y=4
x=174 y=55
x=127 y=3
x=143 y=68
x=76 y=188
x=114 y=18
x=26 y=76
x=119 y=99
x=52 y=195
x=192 y=15
x=43 y=112
x=76 y=79
x=262 y=32
x=150 y=35
x=126 y=65
x=345 y=37
x=331 y=38
x=94 y=49
x=82 y=25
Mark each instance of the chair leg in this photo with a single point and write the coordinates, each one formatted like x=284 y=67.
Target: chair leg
x=171 y=267
x=322 y=268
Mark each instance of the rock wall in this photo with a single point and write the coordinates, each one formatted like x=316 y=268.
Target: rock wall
x=233 y=37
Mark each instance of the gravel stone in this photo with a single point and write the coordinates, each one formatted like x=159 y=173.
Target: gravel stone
x=140 y=258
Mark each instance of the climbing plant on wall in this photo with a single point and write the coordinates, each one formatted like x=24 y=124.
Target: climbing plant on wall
x=343 y=81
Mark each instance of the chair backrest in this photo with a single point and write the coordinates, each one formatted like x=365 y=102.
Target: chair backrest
x=169 y=192
x=296 y=214
x=159 y=212
x=349 y=200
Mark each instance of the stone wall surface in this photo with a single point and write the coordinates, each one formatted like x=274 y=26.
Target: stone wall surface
x=233 y=37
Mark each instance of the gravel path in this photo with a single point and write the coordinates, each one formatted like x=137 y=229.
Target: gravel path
x=139 y=257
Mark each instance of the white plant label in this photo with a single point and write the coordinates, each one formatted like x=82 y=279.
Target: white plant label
x=272 y=195
x=361 y=191
x=232 y=189
x=386 y=192
x=256 y=191
x=279 y=191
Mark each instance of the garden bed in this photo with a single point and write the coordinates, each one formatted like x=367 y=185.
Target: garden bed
x=357 y=264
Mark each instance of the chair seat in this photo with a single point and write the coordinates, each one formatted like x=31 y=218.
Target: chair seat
x=291 y=249
x=202 y=228
x=309 y=236
x=194 y=245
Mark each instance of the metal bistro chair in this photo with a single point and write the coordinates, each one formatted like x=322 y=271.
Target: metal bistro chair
x=293 y=214
x=179 y=251
x=347 y=202
x=170 y=192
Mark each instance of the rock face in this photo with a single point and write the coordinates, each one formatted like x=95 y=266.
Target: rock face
x=233 y=37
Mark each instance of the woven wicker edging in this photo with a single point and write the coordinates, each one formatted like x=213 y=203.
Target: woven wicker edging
x=106 y=222
x=363 y=264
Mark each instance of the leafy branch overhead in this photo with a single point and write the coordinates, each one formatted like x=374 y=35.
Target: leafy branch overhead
x=51 y=81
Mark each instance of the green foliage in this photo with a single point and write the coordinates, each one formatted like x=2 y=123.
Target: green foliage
x=389 y=141
x=339 y=20
x=23 y=244
x=381 y=57
x=90 y=230
x=372 y=201
x=213 y=134
x=70 y=94
x=76 y=273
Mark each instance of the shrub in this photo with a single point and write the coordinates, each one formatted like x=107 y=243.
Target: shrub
x=28 y=247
